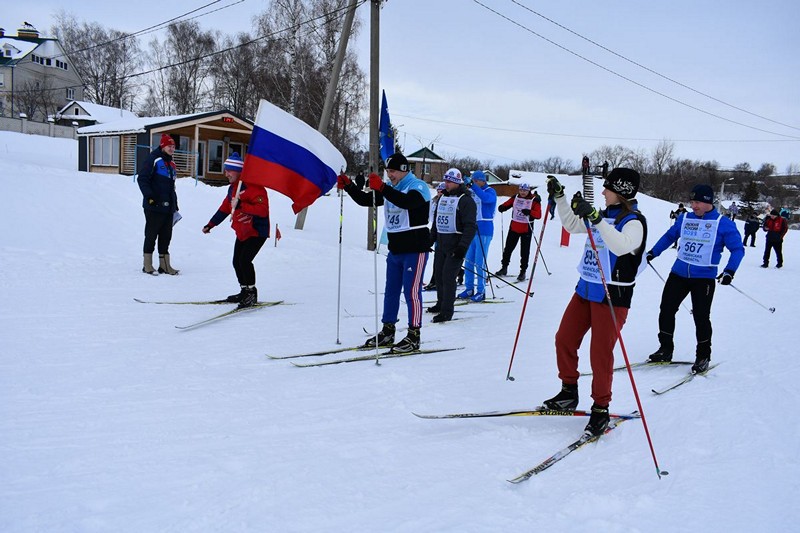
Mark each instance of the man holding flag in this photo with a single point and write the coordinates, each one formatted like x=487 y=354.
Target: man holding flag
x=406 y=204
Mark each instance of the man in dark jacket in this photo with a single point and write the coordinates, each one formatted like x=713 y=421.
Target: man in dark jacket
x=160 y=202
x=406 y=201
x=751 y=227
x=454 y=226
x=776 y=227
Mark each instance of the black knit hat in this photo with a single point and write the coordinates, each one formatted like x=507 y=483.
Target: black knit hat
x=703 y=193
x=623 y=181
x=397 y=162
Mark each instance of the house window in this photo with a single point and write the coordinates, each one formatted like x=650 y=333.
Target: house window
x=235 y=147
x=105 y=151
x=215 y=156
x=71 y=94
x=426 y=168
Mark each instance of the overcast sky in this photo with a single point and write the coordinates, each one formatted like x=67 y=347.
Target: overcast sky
x=495 y=80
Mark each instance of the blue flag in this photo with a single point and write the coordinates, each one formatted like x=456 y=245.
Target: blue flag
x=386 y=133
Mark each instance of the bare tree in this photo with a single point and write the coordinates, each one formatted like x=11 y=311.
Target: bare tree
x=105 y=59
x=615 y=155
x=233 y=85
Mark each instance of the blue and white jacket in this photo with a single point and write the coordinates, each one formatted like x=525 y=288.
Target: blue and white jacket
x=486 y=199
x=728 y=236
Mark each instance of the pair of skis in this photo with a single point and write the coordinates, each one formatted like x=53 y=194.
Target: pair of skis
x=226 y=314
x=646 y=364
x=584 y=439
x=385 y=354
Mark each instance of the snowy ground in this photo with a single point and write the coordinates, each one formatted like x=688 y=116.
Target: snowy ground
x=113 y=420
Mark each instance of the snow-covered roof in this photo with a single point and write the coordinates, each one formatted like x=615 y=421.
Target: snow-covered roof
x=19 y=47
x=130 y=125
x=100 y=113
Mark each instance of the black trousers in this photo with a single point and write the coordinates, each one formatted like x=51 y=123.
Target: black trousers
x=675 y=291
x=244 y=252
x=525 y=250
x=778 y=246
x=157 y=226
x=752 y=237
x=445 y=272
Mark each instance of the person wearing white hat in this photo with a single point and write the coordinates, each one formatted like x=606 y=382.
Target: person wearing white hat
x=527 y=207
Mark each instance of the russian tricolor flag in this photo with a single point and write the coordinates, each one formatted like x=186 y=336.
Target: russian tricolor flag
x=289 y=156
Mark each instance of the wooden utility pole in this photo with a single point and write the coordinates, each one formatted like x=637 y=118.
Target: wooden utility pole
x=330 y=96
x=374 y=99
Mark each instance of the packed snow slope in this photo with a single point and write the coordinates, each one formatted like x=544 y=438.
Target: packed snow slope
x=113 y=420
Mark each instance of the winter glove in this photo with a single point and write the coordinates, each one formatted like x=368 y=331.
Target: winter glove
x=375 y=182
x=342 y=181
x=554 y=187
x=650 y=256
x=526 y=212
x=207 y=228
x=503 y=208
x=460 y=252
x=725 y=278
x=584 y=209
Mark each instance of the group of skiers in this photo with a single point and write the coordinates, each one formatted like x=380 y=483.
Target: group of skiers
x=457 y=225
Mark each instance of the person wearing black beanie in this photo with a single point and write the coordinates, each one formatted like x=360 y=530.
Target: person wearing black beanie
x=703 y=234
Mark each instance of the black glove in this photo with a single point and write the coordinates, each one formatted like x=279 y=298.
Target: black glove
x=460 y=252
x=554 y=187
x=502 y=208
x=650 y=256
x=725 y=278
x=584 y=209
x=526 y=212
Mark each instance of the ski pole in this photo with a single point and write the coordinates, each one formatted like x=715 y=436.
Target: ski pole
x=485 y=266
x=659 y=472
x=683 y=304
x=539 y=248
x=509 y=377
x=375 y=266
x=488 y=273
x=339 y=290
x=770 y=309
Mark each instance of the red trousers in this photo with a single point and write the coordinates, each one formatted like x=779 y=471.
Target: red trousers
x=579 y=316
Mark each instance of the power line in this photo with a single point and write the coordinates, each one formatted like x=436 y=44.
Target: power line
x=553 y=134
x=651 y=70
x=610 y=71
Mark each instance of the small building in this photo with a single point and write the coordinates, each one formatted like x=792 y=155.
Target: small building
x=36 y=75
x=427 y=165
x=203 y=141
x=89 y=114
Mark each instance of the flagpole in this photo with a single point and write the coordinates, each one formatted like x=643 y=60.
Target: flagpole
x=339 y=291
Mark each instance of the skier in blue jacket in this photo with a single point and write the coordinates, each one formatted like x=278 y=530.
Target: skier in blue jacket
x=475 y=261
x=703 y=234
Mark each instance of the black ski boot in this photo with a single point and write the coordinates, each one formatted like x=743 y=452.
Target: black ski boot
x=435 y=308
x=598 y=420
x=521 y=276
x=566 y=400
x=385 y=337
x=502 y=272
x=249 y=297
x=701 y=365
x=662 y=355
x=409 y=344
x=236 y=298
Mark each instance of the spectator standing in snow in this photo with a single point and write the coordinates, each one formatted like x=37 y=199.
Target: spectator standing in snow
x=673 y=215
x=620 y=235
x=452 y=232
x=526 y=207
x=476 y=259
x=733 y=211
x=250 y=221
x=406 y=202
x=160 y=202
x=751 y=227
x=776 y=227
x=703 y=233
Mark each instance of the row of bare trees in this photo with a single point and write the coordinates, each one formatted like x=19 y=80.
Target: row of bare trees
x=287 y=60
